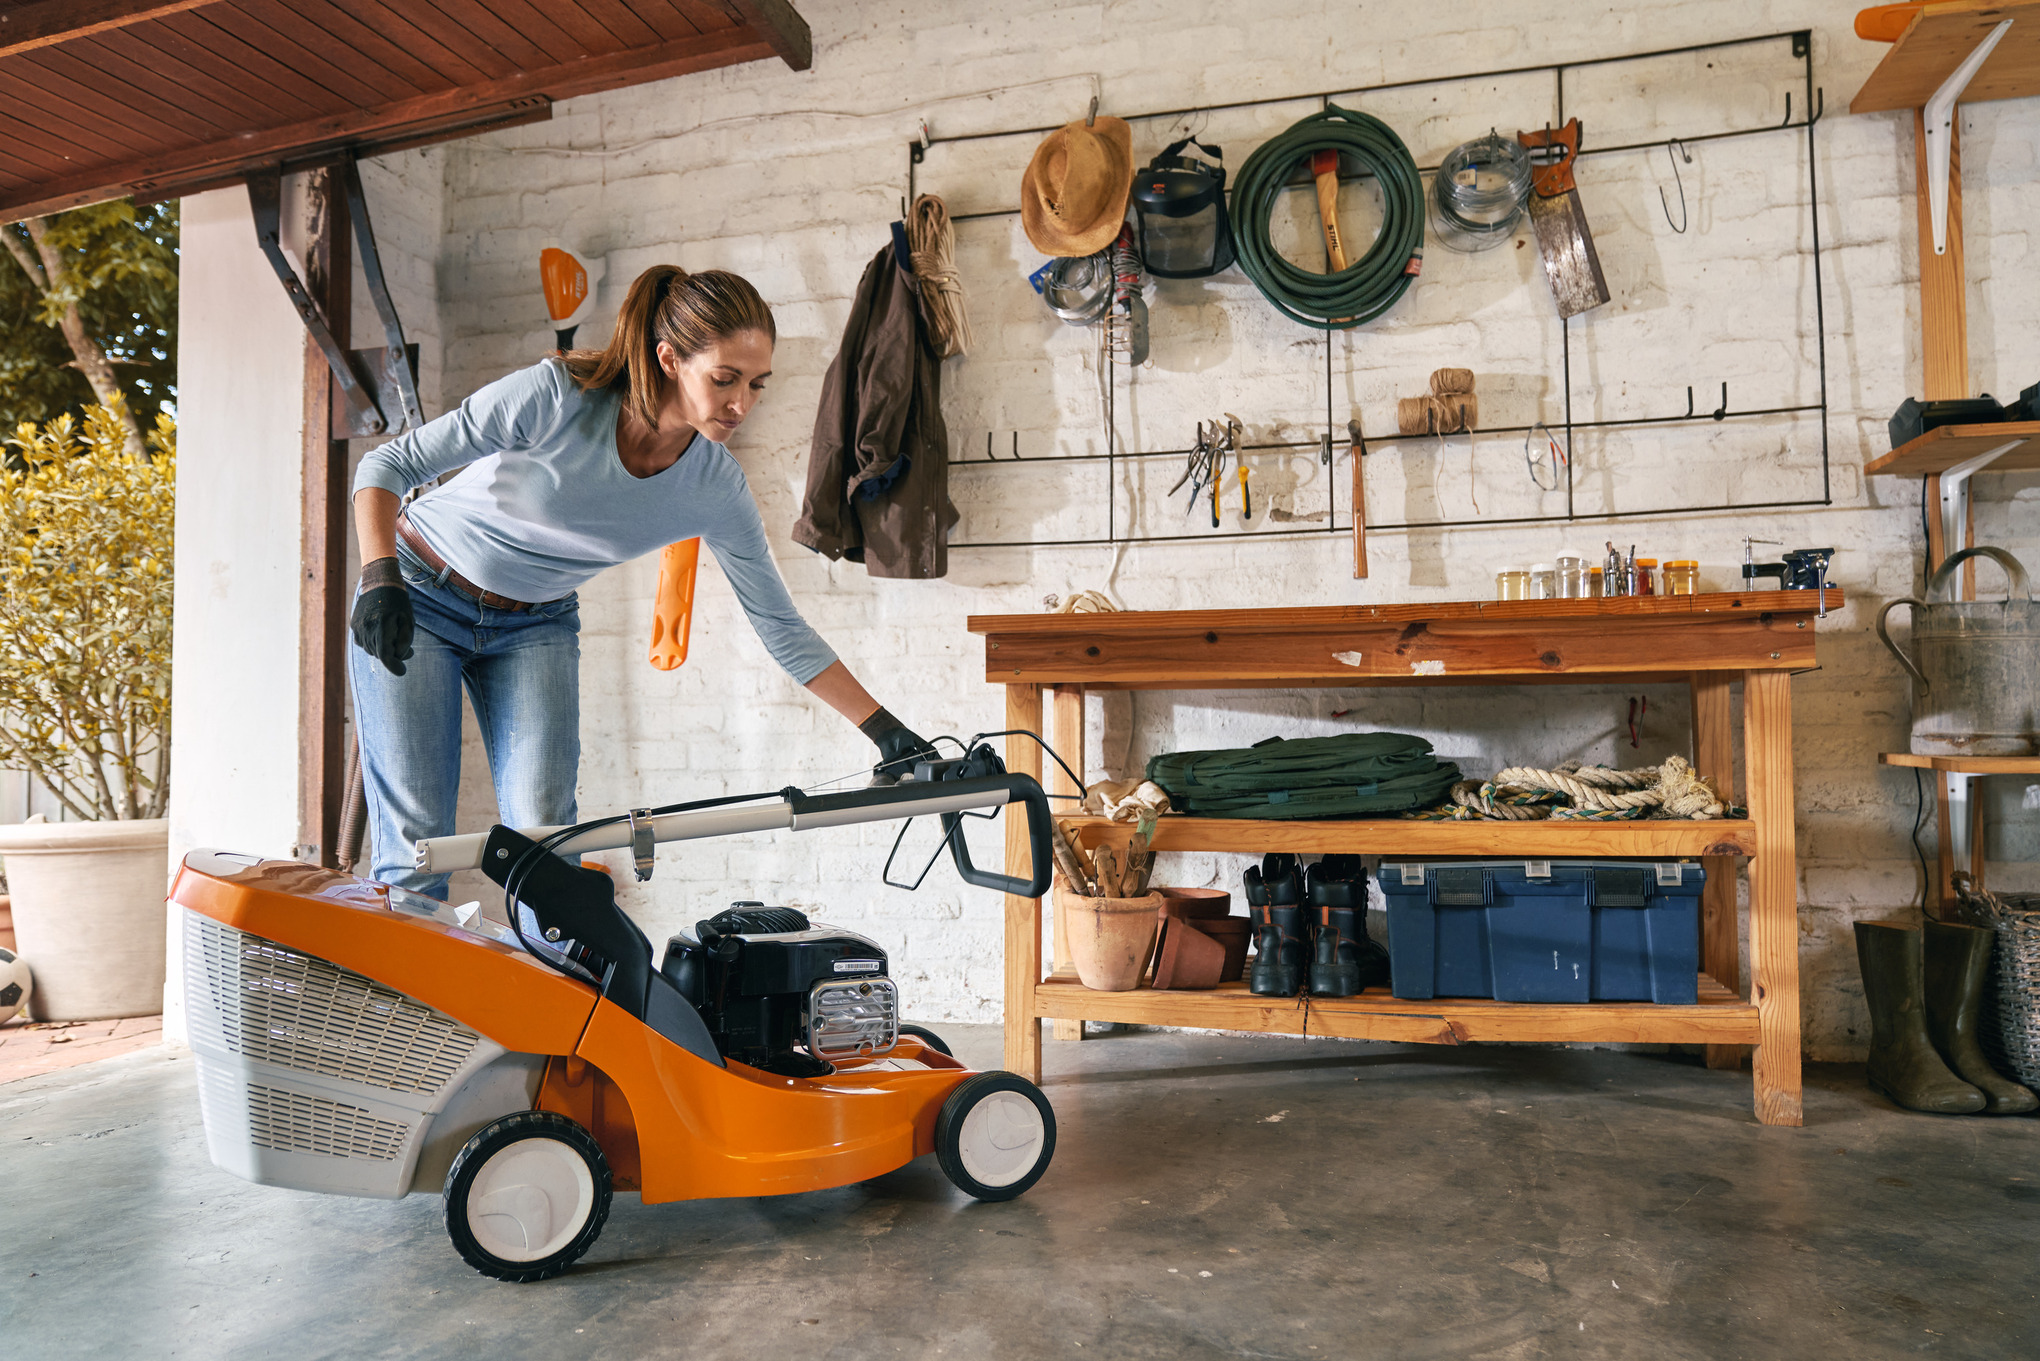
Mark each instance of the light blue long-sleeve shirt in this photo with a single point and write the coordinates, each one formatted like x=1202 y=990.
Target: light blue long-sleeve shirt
x=545 y=502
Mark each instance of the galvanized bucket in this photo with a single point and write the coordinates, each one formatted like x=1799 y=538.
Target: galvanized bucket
x=1977 y=681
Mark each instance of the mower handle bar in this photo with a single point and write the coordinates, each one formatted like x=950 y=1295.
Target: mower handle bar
x=800 y=812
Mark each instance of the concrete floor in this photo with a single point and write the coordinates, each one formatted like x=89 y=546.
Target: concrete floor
x=1210 y=1197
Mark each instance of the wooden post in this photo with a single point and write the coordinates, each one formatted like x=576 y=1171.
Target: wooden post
x=1714 y=758
x=1774 y=895
x=1067 y=733
x=1023 y=915
x=322 y=581
x=1944 y=314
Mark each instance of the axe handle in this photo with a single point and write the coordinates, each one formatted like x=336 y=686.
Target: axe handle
x=1325 y=166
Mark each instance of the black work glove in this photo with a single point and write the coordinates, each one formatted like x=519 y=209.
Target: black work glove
x=898 y=747
x=382 y=620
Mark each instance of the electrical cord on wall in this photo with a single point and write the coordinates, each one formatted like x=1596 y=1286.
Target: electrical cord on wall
x=1919 y=821
x=1370 y=285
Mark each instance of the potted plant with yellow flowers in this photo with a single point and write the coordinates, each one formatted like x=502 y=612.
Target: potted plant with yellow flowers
x=85 y=537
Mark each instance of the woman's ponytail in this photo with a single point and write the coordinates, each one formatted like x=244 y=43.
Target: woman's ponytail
x=690 y=312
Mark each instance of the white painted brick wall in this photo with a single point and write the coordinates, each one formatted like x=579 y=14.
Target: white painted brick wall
x=791 y=179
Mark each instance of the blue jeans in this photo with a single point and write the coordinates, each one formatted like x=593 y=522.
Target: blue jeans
x=521 y=671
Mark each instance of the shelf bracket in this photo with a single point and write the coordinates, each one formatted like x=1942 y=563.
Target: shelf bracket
x=1955 y=494
x=1939 y=116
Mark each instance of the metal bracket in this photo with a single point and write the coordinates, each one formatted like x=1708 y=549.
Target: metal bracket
x=1955 y=495
x=641 y=842
x=1938 y=117
x=378 y=386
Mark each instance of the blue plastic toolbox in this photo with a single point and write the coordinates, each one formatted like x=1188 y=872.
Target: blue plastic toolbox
x=1545 y=930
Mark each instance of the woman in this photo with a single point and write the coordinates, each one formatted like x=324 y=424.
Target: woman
x=573 y=465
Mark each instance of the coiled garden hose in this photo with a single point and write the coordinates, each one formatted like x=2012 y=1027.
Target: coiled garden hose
x=1370 y=285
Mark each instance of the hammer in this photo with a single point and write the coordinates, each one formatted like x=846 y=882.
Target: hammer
x=1359 y=501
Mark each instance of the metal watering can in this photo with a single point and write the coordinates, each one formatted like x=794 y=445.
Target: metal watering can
x=1977 y=681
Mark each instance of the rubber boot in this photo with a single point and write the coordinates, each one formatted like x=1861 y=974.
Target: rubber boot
x=1903 y=1064
x=1346 y=959
x=1957 y=970
x=1281 y=940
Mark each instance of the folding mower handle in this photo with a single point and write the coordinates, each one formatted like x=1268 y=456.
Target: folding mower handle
x=940 y=795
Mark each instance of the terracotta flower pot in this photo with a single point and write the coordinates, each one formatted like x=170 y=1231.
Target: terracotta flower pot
x=88 y=914
x=1110 y=939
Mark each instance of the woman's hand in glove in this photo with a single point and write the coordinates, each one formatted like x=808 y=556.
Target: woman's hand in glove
x=898 y=747
x=382 y=621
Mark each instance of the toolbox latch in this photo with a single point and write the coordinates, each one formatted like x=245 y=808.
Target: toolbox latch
x=1670 y=875
x=1536 y=869
x=1412 y=876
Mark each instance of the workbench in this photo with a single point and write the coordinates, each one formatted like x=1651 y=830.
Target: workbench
x=1707 y=641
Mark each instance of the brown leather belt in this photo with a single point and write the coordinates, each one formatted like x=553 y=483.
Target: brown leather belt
x=411 y=536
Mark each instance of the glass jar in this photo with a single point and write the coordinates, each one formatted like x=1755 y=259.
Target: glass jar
x=1543 y=581
x=1592 y=583
x=1682 y=577
x=1646 y=577
x=1570 y=574
x=1512 y=583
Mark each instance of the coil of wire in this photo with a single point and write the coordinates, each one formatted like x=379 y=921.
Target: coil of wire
x=1371 y=284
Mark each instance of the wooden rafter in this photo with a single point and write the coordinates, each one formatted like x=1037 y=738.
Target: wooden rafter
x=49 y=22
x=780 y=25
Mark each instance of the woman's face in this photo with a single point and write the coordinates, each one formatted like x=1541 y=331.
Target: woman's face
x=715 y=389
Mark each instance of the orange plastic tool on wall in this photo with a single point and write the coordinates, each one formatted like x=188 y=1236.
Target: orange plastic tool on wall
x=673 y=610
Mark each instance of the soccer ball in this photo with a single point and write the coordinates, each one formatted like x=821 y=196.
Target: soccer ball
x=15 y=984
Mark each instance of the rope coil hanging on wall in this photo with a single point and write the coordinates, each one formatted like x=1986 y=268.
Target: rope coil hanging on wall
x=1373 y=283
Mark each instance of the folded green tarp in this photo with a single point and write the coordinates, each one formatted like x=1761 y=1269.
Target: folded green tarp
x=1309 y=777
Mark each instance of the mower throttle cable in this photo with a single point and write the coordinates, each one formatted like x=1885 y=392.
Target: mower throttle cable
x=1370 y=285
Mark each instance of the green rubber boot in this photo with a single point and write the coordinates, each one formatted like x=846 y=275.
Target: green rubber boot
x=1957 y=969
x=1903 y=1064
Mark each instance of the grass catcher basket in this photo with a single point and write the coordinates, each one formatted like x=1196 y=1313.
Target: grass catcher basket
x=1310 y=777
x=1180 y=204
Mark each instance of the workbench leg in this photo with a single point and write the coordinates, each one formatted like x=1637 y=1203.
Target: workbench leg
x=1714 y=758
x=1067 y=735
x=1774 y=895
x=1023 y=915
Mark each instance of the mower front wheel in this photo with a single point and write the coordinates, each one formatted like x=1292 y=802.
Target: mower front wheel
x=527 y=1196
x=995 y=1135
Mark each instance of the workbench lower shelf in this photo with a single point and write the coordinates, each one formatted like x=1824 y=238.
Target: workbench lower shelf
x=1720 y=1017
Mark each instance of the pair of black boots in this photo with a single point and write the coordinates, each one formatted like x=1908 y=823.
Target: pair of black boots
x=1311 y=928
x=1925 y=993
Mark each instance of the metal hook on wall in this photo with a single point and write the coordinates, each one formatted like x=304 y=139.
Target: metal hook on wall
x=1684 y=219
x=1721 y=412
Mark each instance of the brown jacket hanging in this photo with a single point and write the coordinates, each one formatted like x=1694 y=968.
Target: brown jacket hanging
x=878 y=472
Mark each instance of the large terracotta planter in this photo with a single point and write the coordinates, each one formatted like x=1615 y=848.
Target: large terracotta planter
x=1110 y=939
x=88 y=914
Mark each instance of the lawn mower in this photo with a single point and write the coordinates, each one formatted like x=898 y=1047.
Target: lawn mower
x=356 y=1038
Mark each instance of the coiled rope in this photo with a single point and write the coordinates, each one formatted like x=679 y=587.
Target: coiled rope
x=1575 y=793
x=931 y=248
x=1370 y=285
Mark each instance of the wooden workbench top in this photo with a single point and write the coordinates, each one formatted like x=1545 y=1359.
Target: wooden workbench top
x=1622 y=638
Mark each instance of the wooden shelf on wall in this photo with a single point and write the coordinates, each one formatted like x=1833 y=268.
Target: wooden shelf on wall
x=1935 y=45
x=1945 y=446
x=1964 y=765
x=1720 y=1017
x=1406 y=839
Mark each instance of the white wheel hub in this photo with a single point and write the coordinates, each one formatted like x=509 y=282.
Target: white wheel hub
x=1001 y=1138
x=530 y=1199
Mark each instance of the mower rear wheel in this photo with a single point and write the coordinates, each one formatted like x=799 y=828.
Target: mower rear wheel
x=929 y=1038
x=995 y=1135
x=527 y=1196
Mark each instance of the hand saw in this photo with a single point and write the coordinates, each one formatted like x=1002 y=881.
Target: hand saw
x=1563 y=238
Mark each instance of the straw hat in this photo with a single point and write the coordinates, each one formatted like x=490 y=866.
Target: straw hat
x=1073 y=196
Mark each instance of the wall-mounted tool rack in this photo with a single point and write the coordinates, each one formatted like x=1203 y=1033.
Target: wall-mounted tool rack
x=1335 y=436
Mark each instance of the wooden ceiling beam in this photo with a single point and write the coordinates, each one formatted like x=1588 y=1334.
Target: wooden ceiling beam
x=779 y=24
x=23 y=28
x=414 y=122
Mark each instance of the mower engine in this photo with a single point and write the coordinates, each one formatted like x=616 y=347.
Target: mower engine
x=782 y=994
